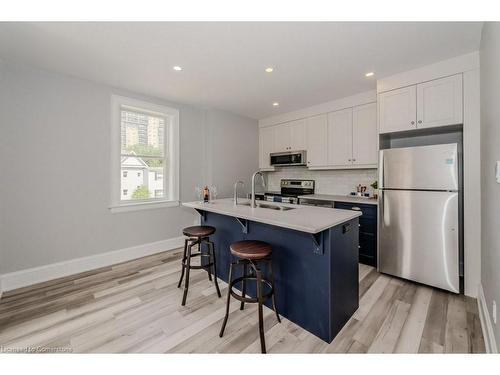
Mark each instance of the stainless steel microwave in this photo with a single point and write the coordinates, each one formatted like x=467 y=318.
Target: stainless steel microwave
x=289 y=158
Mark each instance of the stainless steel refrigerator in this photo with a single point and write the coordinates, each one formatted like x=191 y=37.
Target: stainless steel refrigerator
x=419 y=230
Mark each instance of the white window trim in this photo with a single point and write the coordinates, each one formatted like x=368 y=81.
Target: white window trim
x=173 y=145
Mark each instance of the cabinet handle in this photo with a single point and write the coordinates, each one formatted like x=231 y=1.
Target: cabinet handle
x=356 y=208
x=413 y=122
x=353 y=159
x=359 y=246
x=419 y=121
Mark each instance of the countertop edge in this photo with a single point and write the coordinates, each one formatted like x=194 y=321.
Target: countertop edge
x=310 y=230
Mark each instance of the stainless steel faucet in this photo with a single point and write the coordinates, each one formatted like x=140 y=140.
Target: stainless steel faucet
x=252 y=202
x=236 y=191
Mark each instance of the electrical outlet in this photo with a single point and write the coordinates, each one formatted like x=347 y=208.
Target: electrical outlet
x=494 y=312
x=497 y=171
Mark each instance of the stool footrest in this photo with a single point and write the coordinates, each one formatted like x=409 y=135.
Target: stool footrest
x=240 y=297
x=205 y=266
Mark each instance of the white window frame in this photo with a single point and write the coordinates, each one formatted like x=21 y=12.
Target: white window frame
x=172 y=137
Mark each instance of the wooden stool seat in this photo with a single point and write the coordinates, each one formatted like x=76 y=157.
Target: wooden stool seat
x=250 y=249
x=198 y=231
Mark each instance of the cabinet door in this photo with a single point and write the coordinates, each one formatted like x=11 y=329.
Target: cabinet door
x=317 y=141
x=282 y=138
x=439 y=102
x=398 y=110
x=364 y=135
x=266 y=146
x=298 y=135
x=340 y=137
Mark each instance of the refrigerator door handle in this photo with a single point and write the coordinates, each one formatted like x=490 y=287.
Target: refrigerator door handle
x=379 y=219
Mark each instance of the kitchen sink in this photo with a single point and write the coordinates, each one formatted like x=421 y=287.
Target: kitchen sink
x=276 y=208
x=269 y=206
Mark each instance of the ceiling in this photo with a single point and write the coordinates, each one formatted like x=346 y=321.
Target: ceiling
x=223 y=63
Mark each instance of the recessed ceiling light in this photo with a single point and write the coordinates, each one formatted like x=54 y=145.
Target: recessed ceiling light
x=269 y=69
x=177 y=68
x=369 y=74
x=275 y=104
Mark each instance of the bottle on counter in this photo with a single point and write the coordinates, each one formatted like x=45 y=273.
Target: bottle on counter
x=206 y=194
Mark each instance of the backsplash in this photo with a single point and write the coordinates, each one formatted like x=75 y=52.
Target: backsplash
x=337 y=182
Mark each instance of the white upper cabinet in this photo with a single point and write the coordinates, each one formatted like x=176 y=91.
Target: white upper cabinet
x=425 y=105
x=340 y=137
x=439 y=102
x=282 y=138
x=398 y=110
x=317 y=137
x=290 y=136
x=266 y=146
x=364 y=135
x=298 y=135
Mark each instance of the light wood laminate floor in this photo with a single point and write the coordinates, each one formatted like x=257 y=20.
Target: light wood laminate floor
x=135 y=307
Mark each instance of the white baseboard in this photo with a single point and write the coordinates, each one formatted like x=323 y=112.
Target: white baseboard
x=30 y=276
x=484 y=316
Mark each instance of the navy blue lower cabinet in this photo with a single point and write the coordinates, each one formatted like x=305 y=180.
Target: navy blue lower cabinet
x=316 y=276
x=367 y=231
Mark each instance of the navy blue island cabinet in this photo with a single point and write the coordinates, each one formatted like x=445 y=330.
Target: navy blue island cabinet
x=316 y=274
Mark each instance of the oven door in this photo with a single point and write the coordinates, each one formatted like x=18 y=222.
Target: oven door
x=288 y=158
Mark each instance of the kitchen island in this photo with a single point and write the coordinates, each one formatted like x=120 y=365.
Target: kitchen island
x=315 y=257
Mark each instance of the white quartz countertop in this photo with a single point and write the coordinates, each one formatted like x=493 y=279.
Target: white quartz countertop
x=340 y=198
x=307 y=219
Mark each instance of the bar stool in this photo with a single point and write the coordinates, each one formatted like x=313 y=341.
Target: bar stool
x=251 y=253
x=198 y=235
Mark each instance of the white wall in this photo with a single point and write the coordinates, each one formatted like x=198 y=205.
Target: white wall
x=490 y=153
x=232 y=145
x=55 y=165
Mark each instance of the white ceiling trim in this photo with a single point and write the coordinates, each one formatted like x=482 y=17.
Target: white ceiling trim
x=331 y=106
x=439 y=69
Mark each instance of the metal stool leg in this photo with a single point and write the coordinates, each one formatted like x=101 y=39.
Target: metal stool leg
x=186 y=284
x=258 y=273
x=228 y=300
x=182 y=262
x=244 y=287
x=212 y=247
x=271 y=277
x=209 y=257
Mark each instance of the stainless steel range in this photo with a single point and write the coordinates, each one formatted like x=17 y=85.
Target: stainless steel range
x=290 y=191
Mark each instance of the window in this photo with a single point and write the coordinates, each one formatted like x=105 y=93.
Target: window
x=145 y=143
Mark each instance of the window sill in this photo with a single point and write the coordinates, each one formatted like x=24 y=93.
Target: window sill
x=142 y=206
